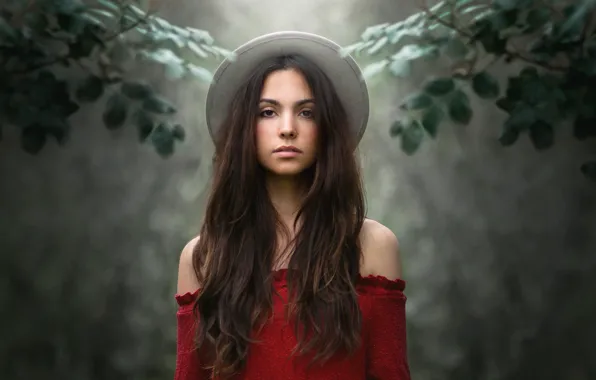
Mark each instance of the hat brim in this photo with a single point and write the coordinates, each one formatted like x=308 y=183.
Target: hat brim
x=342 y=70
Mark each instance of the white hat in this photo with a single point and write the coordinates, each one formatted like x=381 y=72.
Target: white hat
x=342 y=70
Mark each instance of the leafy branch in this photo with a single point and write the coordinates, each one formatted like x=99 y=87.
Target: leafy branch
x=553 y=41
x=42 y=41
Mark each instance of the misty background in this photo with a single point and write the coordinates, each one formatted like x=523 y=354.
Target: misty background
x=498 y=244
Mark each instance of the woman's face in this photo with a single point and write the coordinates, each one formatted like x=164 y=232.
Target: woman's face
x=286 y=133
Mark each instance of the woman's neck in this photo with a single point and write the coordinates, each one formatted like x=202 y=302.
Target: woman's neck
x=286 y=194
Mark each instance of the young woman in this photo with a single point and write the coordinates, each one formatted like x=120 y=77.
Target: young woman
x=288 y=279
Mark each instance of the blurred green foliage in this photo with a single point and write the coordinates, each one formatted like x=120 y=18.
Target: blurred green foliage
x=555 y=86
x=42 y=42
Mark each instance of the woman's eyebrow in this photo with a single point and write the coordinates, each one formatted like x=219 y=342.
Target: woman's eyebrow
x=297 y=103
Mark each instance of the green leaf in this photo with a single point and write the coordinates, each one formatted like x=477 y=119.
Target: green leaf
x=202 y=36
x=128 y=21
x=37 y=21
x=400 y=68
x=139 y=13
x=94 y=20
x=7 y=32
x=510 y=4
x=444 y=16
x=84 y=45
x=414 y=51
x=33 y=139
x=584 y=127
x=400 y=65
x=374 y=32
x=374 y=68
x=574 y=21
x=116 y=111
x=542 y=135
x=529 y=72
x=504 y=19
x=411 y=138
x=439 y=86
x=22 y=114
x=399 y=31
x=508 y=136
x=220 y=52
x=163 y=140
x=102 y=12
x=380 y=44
x=112 y=5
x=584 y=65
x=71 y=23
x=163 y=56
x=199 y=36
x=589 y=170
x=537 y=17
x=394 y=28
x=201 y=73
x=485 y=85
x=490 y=38
x=175 y=70
x=548 y=111
x=354 y=48
x=90 y=89
x=521 y=118
x=144 y=123
x=58 y=129
x=157 y=104
x=178 y=132
x=64 y=107
x=431 y=118
x=195 y=48
x=396 y=128
x=65 y=6
x=417 y=101
x=455 y=48
x=459 y=108
x=136 y=90
x=470 y=8
x=505 y=104
x=120 y=54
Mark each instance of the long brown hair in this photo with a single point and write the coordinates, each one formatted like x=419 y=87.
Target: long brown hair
x=234 y=256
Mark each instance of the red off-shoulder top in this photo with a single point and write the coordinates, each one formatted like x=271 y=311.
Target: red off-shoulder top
x=382 y=356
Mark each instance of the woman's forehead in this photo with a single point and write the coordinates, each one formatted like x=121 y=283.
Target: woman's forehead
x=286 y=85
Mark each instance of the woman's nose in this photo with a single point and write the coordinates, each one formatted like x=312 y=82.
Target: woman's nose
x=288 y=129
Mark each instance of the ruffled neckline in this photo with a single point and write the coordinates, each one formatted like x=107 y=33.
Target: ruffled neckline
x=371 y=284
x=280 y=276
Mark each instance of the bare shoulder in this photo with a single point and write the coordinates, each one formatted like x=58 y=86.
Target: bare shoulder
x=380 y=251
x=187 y=278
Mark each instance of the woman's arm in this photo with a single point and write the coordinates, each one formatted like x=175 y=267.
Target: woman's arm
x=188 y=365
x=383 y=287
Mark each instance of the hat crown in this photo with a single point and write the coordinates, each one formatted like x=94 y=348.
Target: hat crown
x=342 y=70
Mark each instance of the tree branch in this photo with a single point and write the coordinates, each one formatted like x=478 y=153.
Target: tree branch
x=65 y=57
x=139 y=21
x=512 y=54
x=424 y=7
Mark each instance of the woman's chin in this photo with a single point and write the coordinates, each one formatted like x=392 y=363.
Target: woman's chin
x=286 y=173
x=286 y=170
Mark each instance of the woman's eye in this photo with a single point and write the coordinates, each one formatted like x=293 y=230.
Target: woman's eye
x=307 y=113
x=267 y=113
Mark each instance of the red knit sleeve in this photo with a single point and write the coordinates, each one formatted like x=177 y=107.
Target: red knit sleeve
x=188 y=366
x=386 y=343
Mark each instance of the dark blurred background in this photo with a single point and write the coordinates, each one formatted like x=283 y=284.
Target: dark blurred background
x=498 y=243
